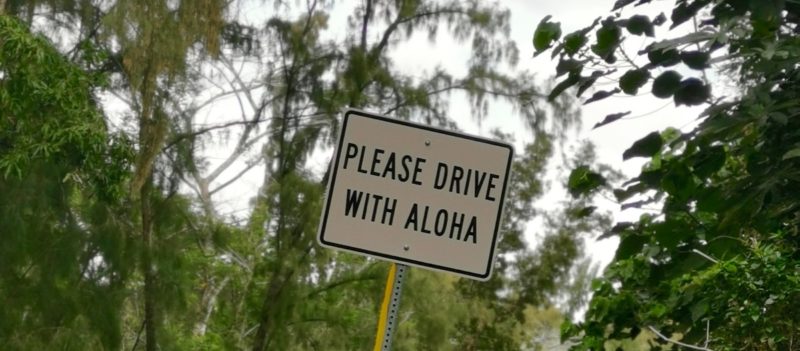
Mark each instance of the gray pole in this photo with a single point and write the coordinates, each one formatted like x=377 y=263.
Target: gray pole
x=394 y=306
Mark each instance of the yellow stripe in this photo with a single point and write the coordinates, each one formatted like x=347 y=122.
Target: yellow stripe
x=387 y=295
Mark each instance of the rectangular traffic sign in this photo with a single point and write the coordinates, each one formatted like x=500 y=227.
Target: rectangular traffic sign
x=416 y=194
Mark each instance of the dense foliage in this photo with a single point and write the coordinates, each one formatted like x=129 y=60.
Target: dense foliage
x=717 y=267
x=112 y=233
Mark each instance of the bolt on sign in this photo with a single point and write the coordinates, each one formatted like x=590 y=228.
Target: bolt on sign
x=416 y=195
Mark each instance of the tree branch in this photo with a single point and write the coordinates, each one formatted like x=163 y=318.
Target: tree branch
x=365 y=21
x=400 y=20
x=237 y=176
x=688 y=346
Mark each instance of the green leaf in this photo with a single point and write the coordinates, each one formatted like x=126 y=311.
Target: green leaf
x=663 y=57
x=583 y=181
x=585 y=211
x=611 y=118
x=692 y=91
x=666 y=84
x=546 y=33
x=568 y=66
x=678 y=181
x=699 y=310
x=670 y=233
x=574 y=41
x=621 y=3
x=632 y=80
x=791 y=154
x=709 y=161
x=609 y=37
x=710 y=199
x=639 y=24
x=587 y=82
x=616 y=229
x=600 y=95
x=695 y=59
x=629 y=245
x=684 y=11
x=571 y=80
x=645 y=147
x=660 y=19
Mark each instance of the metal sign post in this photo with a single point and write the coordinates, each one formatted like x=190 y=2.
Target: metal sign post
x=414 y=195
x=387 y=321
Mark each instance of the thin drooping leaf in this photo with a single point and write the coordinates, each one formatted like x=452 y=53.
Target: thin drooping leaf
x=611 y=118
x=600 y=95
x=571 y=80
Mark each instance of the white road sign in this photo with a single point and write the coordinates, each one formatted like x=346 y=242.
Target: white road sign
x=416 y=195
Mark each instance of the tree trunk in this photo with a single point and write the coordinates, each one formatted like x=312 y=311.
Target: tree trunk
x=264 y=319
x=210 y=301
x=147 y=266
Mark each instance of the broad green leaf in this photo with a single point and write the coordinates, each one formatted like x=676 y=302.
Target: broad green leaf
x=692 y=91
x=645 y=147
x=699 y=310
x=583 y=181
x=685 y=11
x=609 y=37
x=710 y=199
x=632 y=80
x=670 y=233
x=791 y=154
x=629 y=245
x=666 y=84
x=695 y=59
x=663 y=57
x=546 y=33
x=709 y=161
x=678 y=181
x=640 y=24
x=574 y=42
x=585 y=211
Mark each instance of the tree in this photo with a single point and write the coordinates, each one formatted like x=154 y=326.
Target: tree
x=717 y=266
x=184 y=275
x=62 y=179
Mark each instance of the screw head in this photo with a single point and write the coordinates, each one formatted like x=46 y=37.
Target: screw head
x=406 y=247
x=427 y=143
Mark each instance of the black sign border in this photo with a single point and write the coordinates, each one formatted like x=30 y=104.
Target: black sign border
x=332 y=180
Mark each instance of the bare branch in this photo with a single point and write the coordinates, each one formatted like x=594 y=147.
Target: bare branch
x=365 y=21
x=688 y=346
x=400 y=20
x=180 y=137
x=237 y=176
x=704 y=255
